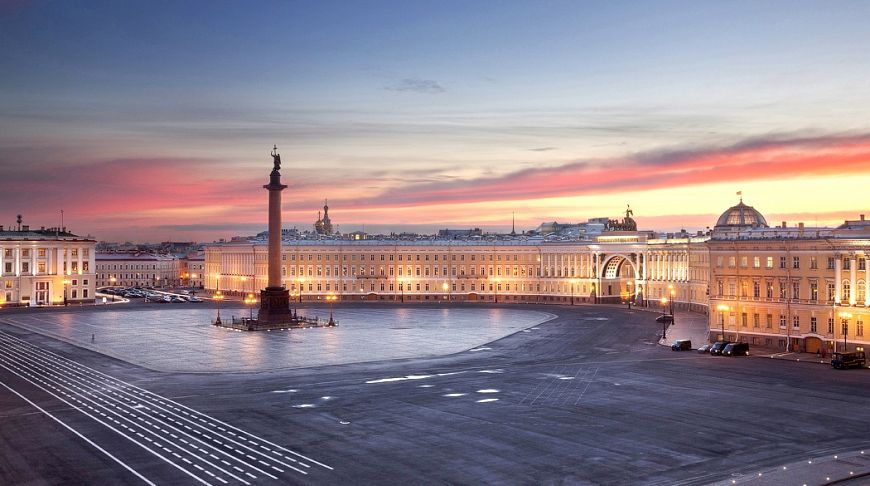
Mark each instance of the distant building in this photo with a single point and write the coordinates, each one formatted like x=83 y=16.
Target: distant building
x=135 y=269
x=459 y=233
x=323 y=226
x=48 y=266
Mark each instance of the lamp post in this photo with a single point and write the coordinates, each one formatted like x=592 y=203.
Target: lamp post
x=673 y=294
x=402 y=287
x=664 y=320
x=112 y=281
x=722 y=308
x=250 y=300
x=330 y=299
x=573 y=282
x=630 y=286
x=495 y=287
x=218 y=296
x=445 y=287
x=301 y=284
x=845 y=316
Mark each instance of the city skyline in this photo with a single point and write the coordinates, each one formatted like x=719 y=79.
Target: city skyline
x=156 y=124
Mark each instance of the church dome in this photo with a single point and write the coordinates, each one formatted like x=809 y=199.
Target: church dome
x=742 y=215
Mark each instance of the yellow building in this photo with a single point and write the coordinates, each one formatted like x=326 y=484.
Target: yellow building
x=45 y=267
x=614 y=267
x=794 y=288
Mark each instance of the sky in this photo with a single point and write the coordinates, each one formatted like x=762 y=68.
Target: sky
x=153 y=121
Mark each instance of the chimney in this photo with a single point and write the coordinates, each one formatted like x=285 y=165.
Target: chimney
x=862 y=217
x=783 y=224
x=25 y=228
x=801 y=225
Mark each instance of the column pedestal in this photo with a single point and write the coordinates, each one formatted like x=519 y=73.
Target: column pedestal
x=275 y=306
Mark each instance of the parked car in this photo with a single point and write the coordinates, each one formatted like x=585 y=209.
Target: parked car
x=705 y=349
x=665 y=318
x=854 y=359
x=681 y=345
x=194 y=299
x=736 y=349
x=177 y=300
x=717 y=347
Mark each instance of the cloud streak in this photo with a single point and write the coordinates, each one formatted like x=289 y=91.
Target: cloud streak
x=417 y=85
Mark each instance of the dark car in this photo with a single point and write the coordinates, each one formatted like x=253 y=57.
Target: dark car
x=717 y=347
x=705 y=349
x=665 y=318
x=842 y=361
x=736 y=349
x=681 y=345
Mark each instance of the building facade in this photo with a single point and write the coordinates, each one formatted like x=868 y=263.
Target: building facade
x=792 y=288
x=618 y=267
x=45 y=267
x=134 y=269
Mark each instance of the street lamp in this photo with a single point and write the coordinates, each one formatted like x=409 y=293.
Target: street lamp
x=112 y=281
x=573 y=282
x=444 y=287
x=495 y=286
x=250 y=300
x=630 y=287
x=664 y=302
x=402 y=287
x=301 y=284
x=218 y=296
x=722 y=308
x=330 y=299
x=673 y=294
x=845 y=316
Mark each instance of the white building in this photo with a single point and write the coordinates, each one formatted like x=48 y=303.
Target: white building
x=45 y=267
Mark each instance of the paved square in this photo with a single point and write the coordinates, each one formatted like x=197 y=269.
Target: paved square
x=181 y=339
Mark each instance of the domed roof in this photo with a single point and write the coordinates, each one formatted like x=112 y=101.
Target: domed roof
x=742 y=215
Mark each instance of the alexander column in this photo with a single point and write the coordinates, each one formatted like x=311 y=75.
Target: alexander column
x=275 y=299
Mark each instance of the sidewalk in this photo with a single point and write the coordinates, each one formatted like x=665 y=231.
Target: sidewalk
x=687 y=325
x=817 y=471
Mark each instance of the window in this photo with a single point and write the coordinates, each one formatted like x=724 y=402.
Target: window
x=718 y=261
x=756 y=262
x=796 y=322
x=25 y=253
x=769 y=262
x=756 y=322
x=782 y=262
x=744 y=262
x=814 y=291
x=862 y=265
x=813 y=325
x=847 y=264
x=832 y=291
x=782 y=321
x=41 y=252
x=847 y=290
x=814 y=263
x=756 y=289
x=859 y=328
x=795 y=262
x=782 y=291
x=769 y=288
x=796 y=290
x=830 y=263
x=732 y=262
x=744 y=319
x=830 y=325
x=25 y=267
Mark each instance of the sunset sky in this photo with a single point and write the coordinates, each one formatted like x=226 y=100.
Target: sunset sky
x=151 y=121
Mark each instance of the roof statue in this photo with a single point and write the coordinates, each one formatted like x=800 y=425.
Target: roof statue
x=627 y=223
x=276 y=158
